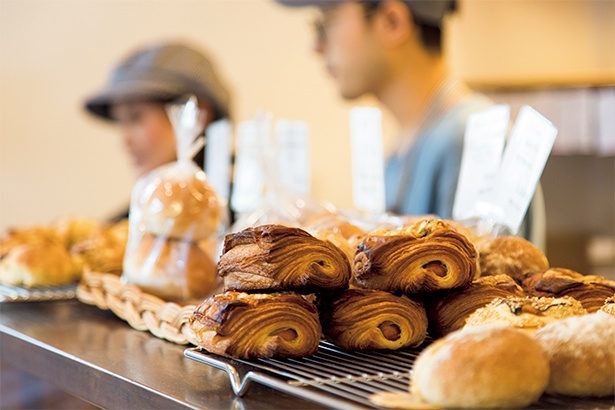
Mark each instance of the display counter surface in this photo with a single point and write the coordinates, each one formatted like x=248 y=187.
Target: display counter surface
x=96 y=356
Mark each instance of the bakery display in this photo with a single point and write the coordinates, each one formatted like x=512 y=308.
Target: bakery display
x=489 y=367
x=277 y=257
x=510 y=255
x=528 y=313
x=427 y=256
x=248 y=326
x=170 y=269
x=364 y=319
x=590 y=290
x=448 y=311
x=581 y=355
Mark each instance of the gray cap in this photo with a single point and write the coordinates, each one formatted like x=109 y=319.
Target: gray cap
x=425 y=11
x=162 y=72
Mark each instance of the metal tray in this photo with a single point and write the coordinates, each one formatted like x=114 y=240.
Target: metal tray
x=10 y=293
x=345 y=380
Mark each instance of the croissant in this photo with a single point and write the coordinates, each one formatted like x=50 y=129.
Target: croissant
x=248 y=326
x=364 y=319
x=591 y=291
x=510 y=255
x=276 y=257
x=528 y=314
x=427 y=256
x=448 y=312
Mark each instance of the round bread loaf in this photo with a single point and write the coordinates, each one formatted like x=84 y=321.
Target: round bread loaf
x=488 y=367
x=581 y=355
x=510 y=255
x=178 y=206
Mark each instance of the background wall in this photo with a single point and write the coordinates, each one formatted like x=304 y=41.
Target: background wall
x=56 y=161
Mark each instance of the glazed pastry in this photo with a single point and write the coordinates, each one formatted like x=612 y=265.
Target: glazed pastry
x=448 y=311
x=15 y=237
x=529 y=313
x=103 y=252
x=427 y=256
x=249 y=326
x=510 y=255
x=276 y=257
x=364 y=319
x=591 y=291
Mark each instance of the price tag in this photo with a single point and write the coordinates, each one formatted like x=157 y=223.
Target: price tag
x=367 y=159
x=480 y=163
x=293 y=155
x=248 y=178
x=524 y=159
x=218 y=157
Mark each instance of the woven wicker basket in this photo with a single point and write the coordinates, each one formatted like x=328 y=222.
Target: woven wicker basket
x=141 y=310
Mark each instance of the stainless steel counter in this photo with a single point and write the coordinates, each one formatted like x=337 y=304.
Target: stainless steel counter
x=94 y=355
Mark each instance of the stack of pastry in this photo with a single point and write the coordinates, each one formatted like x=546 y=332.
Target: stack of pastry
x=263 y=312
x=172 y=237
x=57 y=254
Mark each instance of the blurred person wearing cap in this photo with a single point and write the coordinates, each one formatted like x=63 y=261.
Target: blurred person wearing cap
x=139 y=88
x=393 y=49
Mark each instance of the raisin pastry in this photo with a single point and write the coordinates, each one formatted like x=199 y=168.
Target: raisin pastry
x=427 y=256
x=277 y=257
x=365 y=319
x=249 y=326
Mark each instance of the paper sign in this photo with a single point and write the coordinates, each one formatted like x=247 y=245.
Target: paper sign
x=248 y=178
x=218 y=157
x=293 y=155
x=367 y=159
x=480 y=163
x=524 y=159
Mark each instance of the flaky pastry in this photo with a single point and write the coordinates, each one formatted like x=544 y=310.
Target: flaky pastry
x=510 y=255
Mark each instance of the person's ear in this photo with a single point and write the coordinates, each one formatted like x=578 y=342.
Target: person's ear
x=394 y=21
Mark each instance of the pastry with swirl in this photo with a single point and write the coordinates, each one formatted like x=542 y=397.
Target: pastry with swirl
x=248 y=326
x=590 y=290
x=365 y=319
x=448 y=311
x=427 y=256
x=277 y=257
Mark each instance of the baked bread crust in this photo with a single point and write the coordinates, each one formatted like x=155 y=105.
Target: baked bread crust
x=510 y=255
x=277 y=257
x=427 y=256
x=249 y=326
x=365 y=319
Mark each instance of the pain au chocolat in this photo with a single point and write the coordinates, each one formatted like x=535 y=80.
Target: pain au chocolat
x=247 y=326
x=429 y=255
x=365 y=319
x=276 y=257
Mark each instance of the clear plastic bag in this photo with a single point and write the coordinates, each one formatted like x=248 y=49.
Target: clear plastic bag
x=176 y=221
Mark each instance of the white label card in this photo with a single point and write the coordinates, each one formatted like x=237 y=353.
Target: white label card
x=248 y=178
x=480 y=162
x=367 y=159
x=293 y=155
x=218 y=157
x=524 y=159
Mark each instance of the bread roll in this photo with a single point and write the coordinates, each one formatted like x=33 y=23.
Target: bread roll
x=590 y=290
x=45 y=263
x=249 y=326
x=510 y=255
x=428 y=256
x=276 y=257
x=184 y=207
x=528 y=314
x=364 y=319
x=172 y=270
x=448 y=311
x=489 y=367
x=581 y=355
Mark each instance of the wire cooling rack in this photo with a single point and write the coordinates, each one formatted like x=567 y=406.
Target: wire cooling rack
x=345 y=380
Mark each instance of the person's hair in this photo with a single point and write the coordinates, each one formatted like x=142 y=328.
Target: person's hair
x=430 y=35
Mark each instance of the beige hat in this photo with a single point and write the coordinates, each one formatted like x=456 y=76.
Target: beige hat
x=162 y=72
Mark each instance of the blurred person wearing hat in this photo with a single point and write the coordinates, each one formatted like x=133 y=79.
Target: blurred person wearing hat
x=139 y=88
x=393 y=49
